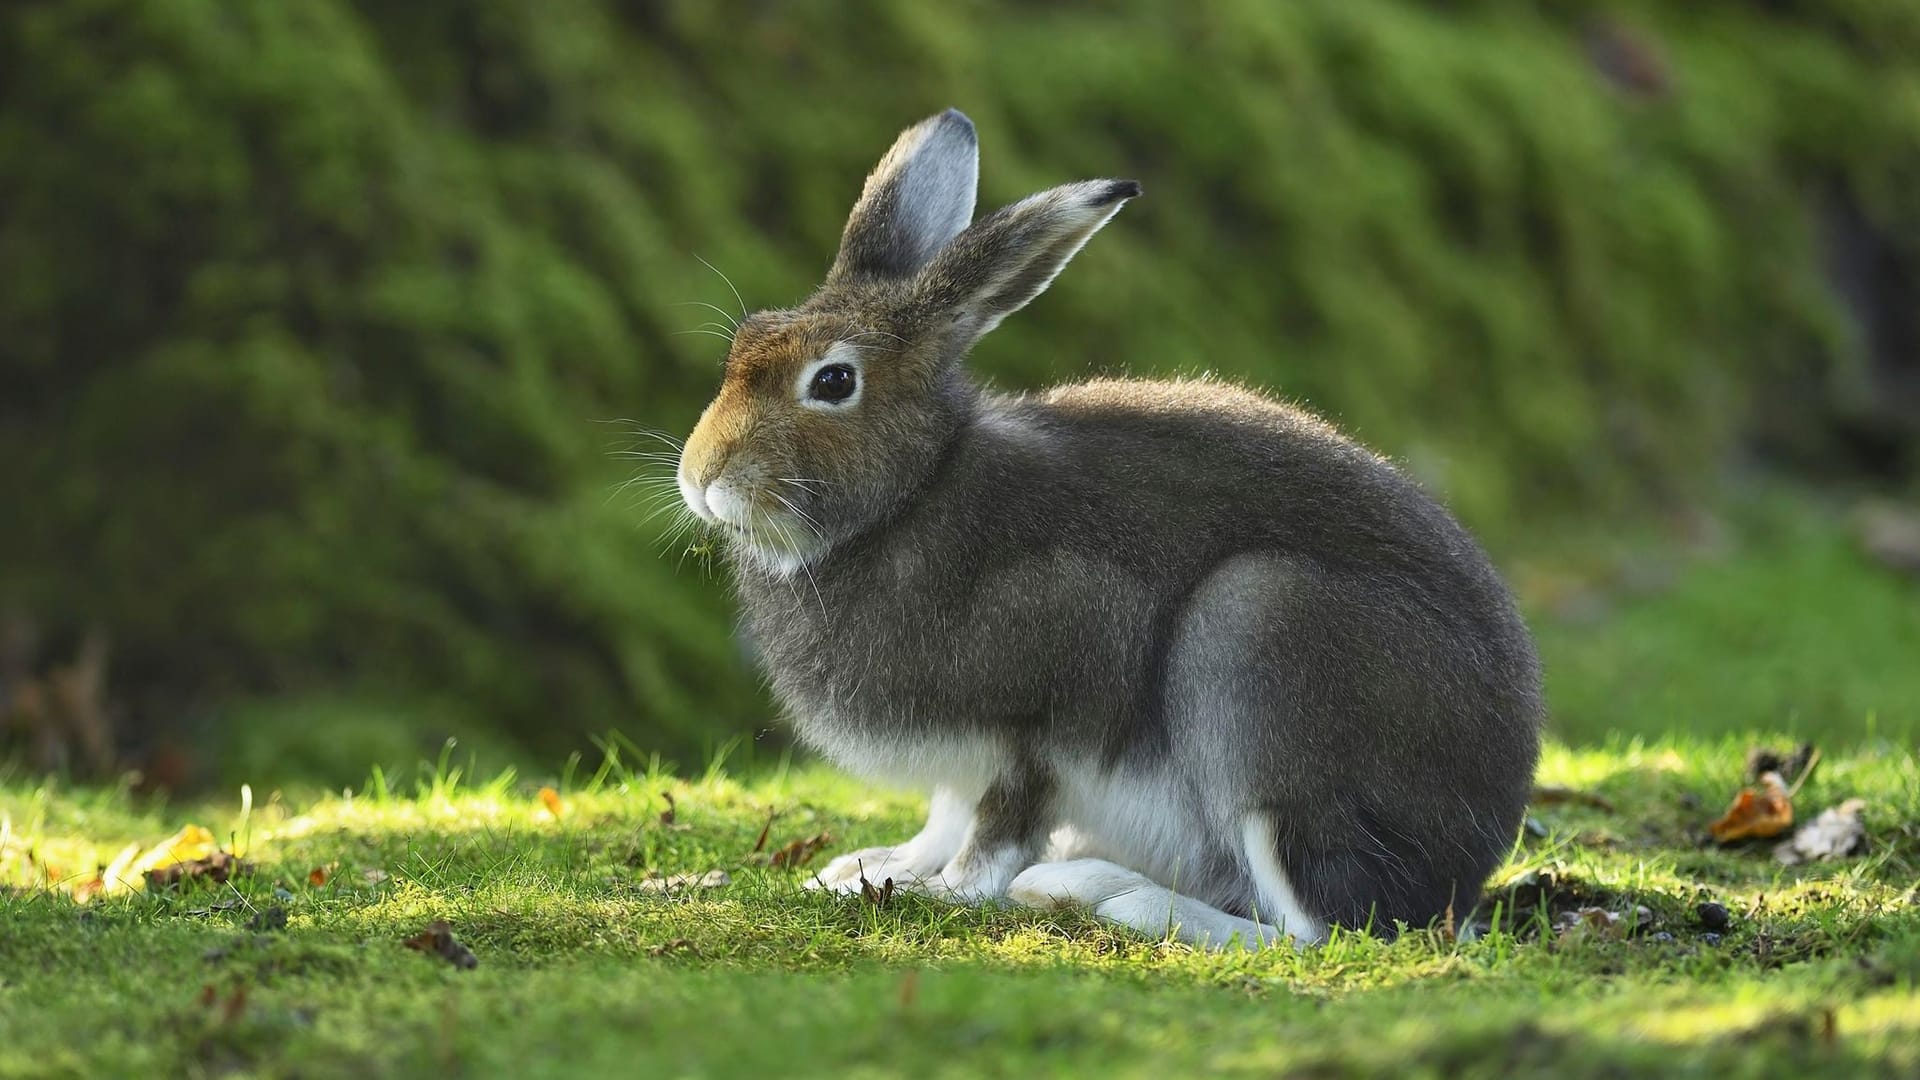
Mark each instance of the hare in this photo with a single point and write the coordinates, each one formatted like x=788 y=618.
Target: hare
x=1170 y=650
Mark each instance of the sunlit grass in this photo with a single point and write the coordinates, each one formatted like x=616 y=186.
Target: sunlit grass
x=581 y=962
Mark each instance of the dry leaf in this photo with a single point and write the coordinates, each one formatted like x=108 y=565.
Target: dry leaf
x=1765 y=812
x=1835 y=834
x=712 y=879
x=667 y=815
x=799 y=852
x=374 y=876
x=318 y=876
x=909 y=989
x=208 y=995
x=760 y=844
x=877 y=895
x=438 y=939
x=552 y=801
x=217 y=867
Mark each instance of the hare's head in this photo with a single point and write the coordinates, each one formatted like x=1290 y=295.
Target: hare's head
x=832 y=412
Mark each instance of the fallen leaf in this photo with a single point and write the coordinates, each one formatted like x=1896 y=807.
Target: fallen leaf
x=1554 y=796
x=909 y=989
x=190 y=846
x=118 y=875
x=550 y=798
x=760 y=844
x=712 y=879
x=374 y=876
x=318 y=876
x=877 y=895
x=191 y=843
x=1762 y=813
x=1835 y=834
x=217 y=867
x=665 y=947
x=799 y=852
x=438 y=939
x=667 y=815
x=208 y=995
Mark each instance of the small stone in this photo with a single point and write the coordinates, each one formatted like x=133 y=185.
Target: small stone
x=1660 y=937
x=1709 y=939
x=1712 y=916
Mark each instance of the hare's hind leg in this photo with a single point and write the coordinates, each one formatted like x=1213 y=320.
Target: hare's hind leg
x=1139 y=903
x=948 y=818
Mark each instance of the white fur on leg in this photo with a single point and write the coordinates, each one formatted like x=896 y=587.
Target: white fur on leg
x=949 y=816
x=975 y=876
x=1135 y=901
x=1277 y=903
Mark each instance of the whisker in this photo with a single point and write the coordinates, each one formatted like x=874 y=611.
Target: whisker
x=729 y=281
x=801 y=514
x=724 y=313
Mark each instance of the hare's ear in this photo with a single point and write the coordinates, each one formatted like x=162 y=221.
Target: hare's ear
x=1003 y=261
x=919 y=197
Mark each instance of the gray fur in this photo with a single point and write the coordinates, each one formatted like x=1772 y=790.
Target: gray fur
x=1183 y=585
x=918 y=198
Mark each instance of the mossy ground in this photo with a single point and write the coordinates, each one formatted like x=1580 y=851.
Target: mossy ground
x=583 y=970
x=1778 y=632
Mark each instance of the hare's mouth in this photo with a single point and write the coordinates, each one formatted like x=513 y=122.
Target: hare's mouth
x=783 y=544
x=766 y=527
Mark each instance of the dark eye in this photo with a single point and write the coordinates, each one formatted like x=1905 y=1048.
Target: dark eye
x=835 y=382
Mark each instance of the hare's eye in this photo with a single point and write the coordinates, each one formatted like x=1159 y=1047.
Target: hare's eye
x=833 y=383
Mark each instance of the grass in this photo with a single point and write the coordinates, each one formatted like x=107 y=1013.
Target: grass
x=585 y=968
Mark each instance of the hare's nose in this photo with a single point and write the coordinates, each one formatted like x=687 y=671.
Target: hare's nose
x=727 y=502
x=695 y=497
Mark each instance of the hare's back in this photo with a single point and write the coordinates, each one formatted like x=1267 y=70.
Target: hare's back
x=1254 y=472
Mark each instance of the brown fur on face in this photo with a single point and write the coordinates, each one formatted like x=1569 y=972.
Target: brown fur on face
x=817 y=470
x=913 y=287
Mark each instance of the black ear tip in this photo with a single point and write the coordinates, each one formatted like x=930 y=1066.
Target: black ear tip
x=1119 y=189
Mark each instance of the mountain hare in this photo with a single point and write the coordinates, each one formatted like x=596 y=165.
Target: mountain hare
x=1170 y=650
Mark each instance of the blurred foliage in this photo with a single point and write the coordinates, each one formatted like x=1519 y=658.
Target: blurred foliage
x=315 y=310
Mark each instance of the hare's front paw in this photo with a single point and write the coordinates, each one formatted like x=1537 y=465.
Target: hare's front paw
x=874 y=864
x=976 y=876
x=1084 y=882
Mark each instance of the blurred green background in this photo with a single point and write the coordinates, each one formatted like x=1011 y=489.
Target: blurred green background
x=322 y=324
